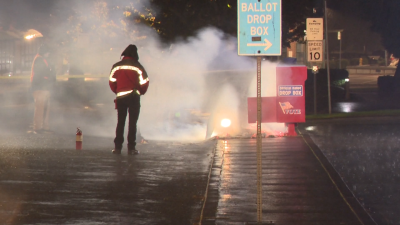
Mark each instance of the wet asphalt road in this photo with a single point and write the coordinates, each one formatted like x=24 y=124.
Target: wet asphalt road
x=44 y=180
x=53 y=183
x=366 y=154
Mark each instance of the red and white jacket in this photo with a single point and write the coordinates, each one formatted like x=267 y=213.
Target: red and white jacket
x=128 y=76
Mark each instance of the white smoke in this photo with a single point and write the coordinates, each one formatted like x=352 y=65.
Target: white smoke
x=177 y=85
x=186 y=81
x=268 y=89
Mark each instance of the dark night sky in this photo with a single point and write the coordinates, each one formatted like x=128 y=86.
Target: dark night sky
x=26 y=14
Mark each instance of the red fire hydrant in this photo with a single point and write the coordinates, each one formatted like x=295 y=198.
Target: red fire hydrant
x=79 y=138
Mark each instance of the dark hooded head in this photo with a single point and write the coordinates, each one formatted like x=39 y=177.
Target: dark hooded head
x=131 y=51
x=43 y=49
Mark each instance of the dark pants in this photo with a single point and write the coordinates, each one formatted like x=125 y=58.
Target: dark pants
x=128 y=103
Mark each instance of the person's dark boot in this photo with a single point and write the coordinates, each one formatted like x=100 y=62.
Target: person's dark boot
x=133 y=152
x=116 y=151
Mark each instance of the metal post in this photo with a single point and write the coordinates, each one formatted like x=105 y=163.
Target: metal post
x=347 y=89
x=259 y=143
x=340 y=54
x=315 y=71
x=315 y=93
x=327 y=57
x=386 y=58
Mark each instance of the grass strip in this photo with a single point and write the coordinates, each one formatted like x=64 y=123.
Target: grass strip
x=355 y=114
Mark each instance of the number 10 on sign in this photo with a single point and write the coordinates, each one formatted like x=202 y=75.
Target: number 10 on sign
x=315 y=51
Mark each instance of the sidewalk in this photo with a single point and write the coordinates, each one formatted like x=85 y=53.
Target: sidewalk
x=299 y=185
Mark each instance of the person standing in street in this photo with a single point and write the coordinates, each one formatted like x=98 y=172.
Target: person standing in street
x=43 y=79
x=128 y=80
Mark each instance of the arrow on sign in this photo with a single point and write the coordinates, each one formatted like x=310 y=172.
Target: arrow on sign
x=267 y=44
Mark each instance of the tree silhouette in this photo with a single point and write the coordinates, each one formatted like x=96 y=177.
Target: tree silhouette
x=180 y=19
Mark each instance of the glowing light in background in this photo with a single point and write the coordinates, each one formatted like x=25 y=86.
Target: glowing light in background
x=347 y=107
x=226 y=122
x=30 y=34
x=311 y=128
x=225 y=106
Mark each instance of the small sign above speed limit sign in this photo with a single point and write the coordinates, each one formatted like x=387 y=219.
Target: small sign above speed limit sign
x=315 y=51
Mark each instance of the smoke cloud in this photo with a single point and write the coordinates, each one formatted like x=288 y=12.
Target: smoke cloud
x=191 y=82
x=268 y=89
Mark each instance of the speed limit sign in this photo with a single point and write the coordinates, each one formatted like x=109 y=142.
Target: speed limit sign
x=315 y=51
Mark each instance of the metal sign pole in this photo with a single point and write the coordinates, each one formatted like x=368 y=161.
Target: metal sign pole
x=259 y=143
x=259 y=34
x=327 y=58
x=340 y=49
x=315 y=71
x=315 y=93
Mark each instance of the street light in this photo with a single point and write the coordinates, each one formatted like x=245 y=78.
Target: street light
x=31 y=34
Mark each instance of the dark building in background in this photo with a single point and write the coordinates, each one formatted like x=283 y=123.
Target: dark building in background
x=16 y=52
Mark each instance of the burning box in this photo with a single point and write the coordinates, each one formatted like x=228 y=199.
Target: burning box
x=288 y=106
